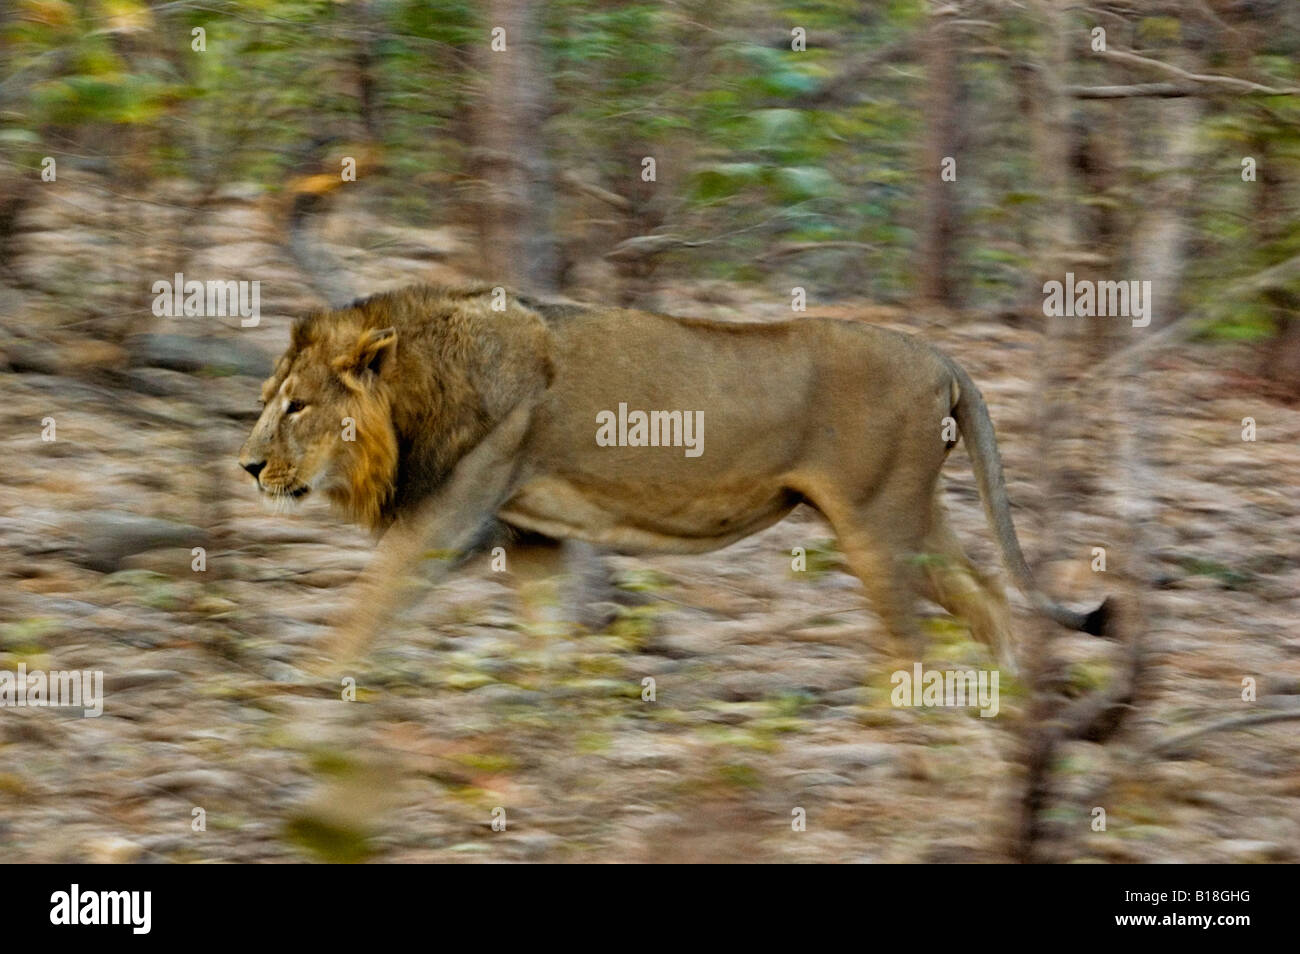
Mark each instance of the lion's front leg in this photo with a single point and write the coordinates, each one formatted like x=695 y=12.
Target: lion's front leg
x=446 y=529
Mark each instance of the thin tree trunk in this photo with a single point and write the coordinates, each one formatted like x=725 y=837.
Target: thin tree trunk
x=1051 y=136
x=1160 y=245
x=1272 y=211
x=938 y=255
x=363 y=58
x=515 y=227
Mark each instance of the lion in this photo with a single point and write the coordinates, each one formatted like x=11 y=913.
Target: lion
x=443 y=418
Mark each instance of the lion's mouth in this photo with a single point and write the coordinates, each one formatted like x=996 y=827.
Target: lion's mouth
x=291 y=493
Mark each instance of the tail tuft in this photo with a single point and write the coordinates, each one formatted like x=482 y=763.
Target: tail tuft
x=1098 y=622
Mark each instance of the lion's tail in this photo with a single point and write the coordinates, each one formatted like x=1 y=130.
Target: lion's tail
x=973 y=420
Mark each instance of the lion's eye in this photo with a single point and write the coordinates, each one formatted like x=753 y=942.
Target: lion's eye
x=294 y=407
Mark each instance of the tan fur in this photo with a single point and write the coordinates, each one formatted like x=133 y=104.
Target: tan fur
x=843 y=416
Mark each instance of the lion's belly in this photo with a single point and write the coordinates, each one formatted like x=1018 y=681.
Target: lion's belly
x=632 y=519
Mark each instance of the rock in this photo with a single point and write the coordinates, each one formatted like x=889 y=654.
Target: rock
x=422 y=244
x=167 y=561
x=284 y=673
x=246 y=411
x=139 y=678
x=538 y=845
x=642 y=753
x=73 y=609
x=238 y=192
x=162 y=844
x=509 y=695
x=106 y=538
x=191 y=353
x=113 y=850
x=855 y=696
x=853 y=755
x=749 y=686
x=156 y=382
x=233 y=258
x=1109 y=848
x=676 y=645
x=326 y=578
x=92 y=354
x=32 y=357
x=916 y=764
x=202 y=780
x=1249 y=849
x=814 y=779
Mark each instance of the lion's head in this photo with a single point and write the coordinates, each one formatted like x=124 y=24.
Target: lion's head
x=376 y=426
x=326 y=425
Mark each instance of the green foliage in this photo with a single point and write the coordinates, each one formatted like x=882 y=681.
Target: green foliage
x=26 y=636
x=757 y=144
x=820 y=557
x=327 y=840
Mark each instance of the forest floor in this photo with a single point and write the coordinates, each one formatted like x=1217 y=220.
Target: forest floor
x=771 y=686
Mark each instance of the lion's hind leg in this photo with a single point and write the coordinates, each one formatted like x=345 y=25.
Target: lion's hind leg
x=956 y=584
x=565 y=583
x=882 y=552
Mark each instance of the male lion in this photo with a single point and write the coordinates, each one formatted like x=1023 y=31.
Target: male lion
x=434 y=416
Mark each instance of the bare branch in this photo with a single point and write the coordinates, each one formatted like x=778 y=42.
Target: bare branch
x=1275 y=276
x=647 y=246
x=1211 y=79
x=576 y=183
x=1138 y=90
x=1237 y=722
x=799 y=248
x=1188 y=83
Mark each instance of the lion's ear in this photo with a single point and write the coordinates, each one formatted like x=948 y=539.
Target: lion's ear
x=374 y=349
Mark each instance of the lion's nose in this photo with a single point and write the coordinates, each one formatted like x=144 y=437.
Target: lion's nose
x=254 y=467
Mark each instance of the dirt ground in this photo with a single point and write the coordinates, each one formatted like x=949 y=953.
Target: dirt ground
x=771 y=686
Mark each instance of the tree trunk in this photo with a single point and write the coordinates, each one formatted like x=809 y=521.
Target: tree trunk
x=515 y=229
x=938 y=253
x=1272 y=213
x=1159 y=247
x=364 y=57
x=1056 y=231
